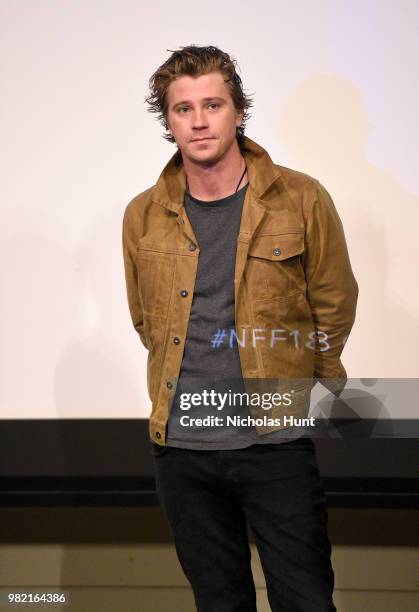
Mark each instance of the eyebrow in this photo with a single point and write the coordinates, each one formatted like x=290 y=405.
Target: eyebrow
x=204 y=100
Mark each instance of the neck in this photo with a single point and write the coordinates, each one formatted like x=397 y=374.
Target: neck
x=218 y=180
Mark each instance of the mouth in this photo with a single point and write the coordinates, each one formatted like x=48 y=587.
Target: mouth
x=201 y=139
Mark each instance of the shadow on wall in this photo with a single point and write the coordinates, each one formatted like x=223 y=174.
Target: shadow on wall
x=324 y=127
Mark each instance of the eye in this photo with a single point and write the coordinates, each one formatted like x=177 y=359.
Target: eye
x=182 y=108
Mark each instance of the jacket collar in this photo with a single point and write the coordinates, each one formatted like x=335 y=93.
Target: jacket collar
x=169 y=190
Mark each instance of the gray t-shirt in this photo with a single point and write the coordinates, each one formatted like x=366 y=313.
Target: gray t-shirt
x=211 y=356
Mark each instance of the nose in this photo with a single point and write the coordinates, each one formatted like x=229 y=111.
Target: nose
x=199 y=119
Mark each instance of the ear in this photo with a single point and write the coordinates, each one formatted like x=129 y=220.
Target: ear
x=239 y=118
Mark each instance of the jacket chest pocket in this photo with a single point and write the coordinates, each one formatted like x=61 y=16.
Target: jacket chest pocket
x=155 y=272
x=274 y=265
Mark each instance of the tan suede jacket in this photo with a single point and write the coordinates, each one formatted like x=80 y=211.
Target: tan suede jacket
x=295 y=292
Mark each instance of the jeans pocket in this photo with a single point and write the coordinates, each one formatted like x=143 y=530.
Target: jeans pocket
x=304 y=444
x=158 y=450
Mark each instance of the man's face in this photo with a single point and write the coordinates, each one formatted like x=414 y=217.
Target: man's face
x=198 y=108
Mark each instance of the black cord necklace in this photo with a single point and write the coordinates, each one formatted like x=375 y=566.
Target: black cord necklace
x=241 y=178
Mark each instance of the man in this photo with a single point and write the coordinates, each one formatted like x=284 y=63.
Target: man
x=228 y=241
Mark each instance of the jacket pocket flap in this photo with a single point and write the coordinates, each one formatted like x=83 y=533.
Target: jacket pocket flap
x=277 y=247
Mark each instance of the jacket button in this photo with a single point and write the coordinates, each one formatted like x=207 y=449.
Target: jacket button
x=183 y=293
x=277 y=251
x=176 y=340
x=158 y=434
x=169 y=385
x=192 y=246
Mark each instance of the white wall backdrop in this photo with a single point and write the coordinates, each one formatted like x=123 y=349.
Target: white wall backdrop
x=335 y=95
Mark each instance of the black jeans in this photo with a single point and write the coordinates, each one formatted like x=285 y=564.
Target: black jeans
x=210 y=496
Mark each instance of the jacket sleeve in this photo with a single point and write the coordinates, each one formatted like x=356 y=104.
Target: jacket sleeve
x=332 y=290
x=131 y=278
